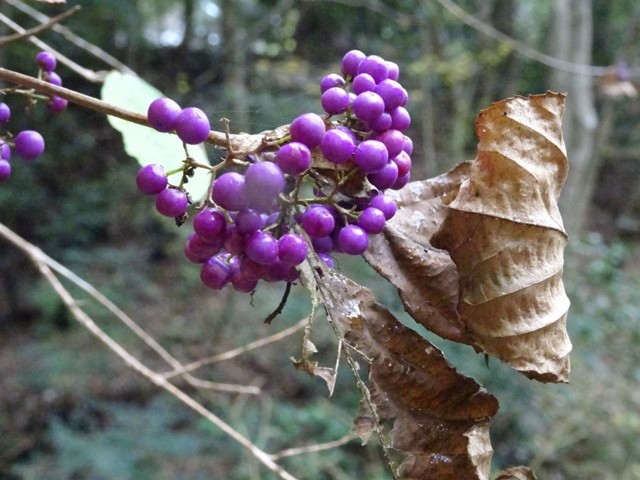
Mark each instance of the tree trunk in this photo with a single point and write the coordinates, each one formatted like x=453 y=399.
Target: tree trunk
x=572 y=37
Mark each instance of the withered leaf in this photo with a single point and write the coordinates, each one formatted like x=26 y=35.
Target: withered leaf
x=482 y=245
x=439 y=417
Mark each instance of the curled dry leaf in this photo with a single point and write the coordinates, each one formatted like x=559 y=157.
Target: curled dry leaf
x=440 y=418
x=477 y=253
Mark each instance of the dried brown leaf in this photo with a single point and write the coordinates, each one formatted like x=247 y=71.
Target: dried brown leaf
x=477 y=253
x=505 y=234
x=439 y=417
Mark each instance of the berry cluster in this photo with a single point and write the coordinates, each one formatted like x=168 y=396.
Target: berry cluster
x=324 y=181
x=29 y=144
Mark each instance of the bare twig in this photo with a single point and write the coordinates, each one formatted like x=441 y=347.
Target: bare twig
x=38 y=257
x=72 y=37
x=240 y=350
x=238 y=142
x=318 y=447
x=48 y=23
x=79 y=69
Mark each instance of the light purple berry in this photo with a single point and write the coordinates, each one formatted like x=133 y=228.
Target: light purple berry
x=229 y=191
x=5 y=169
x=293 y=158
x=46 y=61
x=29 y=144
x=363 y=83
x=350 y=62
x=262 y=247
x=192 y=126
x=5 y=112
x=384 y=178
x=385 y=204
x=162 y=114
x=368 y=106
x=372 y=220
x=335 y=101
x=330 y=81
x=292 y=249
x=264 y=181
x=337 y=146
x=151 y=179
x=309 y=129
x=371 y=155
x=172 y=202
x=216 y=272
x=352 y=240
x=210 y=225
x=317 y=221
x=375 y=66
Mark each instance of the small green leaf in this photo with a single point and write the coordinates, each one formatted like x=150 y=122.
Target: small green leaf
x=145 y=144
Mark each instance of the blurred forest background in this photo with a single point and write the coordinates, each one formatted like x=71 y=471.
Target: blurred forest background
x=69 y=409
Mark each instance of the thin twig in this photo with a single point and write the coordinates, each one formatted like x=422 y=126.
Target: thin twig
x=238 y=141
x=318 y=447
x=239 y=351
x=49 y=23
x=79 y=69
x=280 y=306
x=37 y=256
x=72 y=37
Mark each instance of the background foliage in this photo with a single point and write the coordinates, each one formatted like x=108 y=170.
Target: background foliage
x=70 y=410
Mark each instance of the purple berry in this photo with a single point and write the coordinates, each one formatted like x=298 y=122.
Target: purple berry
x=46 y=61
x=229 y=191
x=400 y=119
x=264 y=181
x=401 y=181
x=262 y=248
x=57 y=104
x=172 y=202
x=29 y=144
x=235 y=242
x=352 y=240
x=337 y=146
x=384 y=178
x=318 y=221
x=391 y=93
x=350 y=62
x=241 y=283
x=394 y=70
x=368 y=106
x=151 y=179
x=371 y=155
x=210 y=225
x=372 y=220
x=199 y=251
x=292 y=249
x=363 y=83
x=249 y=221
x=403 y=161
x=192 y=126
x=279 y=271
x=335 y=101
x=375 y=66
x=5 y=151
x=216 y=272
x=385 y=204
x=408 y=145
x=250 y=269
x=5 y=112
x=393 y=140
x=327 y=259
x=322 y=244
x=5 y=169
x=53 y=78
x=382 y=123
x=293 y=158
x=330 y=81
x=162 y=114
x=309 y=129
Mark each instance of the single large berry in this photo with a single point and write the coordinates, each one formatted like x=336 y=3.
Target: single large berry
x=172 y=202
x=292 y=249
x=46 y=61
x=371 y=155
x=375 y=66
x=351 y=61
x=229 y=191
x=368 y=106
x=337 y=146
x=29 y=144
x=192 y=126
x=385 y=204
x=151 y=179
x=372 y=220
x=293 y=158
x=309 y=129
x=57 y=104
x=331 y=80
x=317 y=221
x=162 y=114
x=216 y=272
x=262 y=248
x=210 y=225
x=264 y=181
x=335 y=101
x=352 y=240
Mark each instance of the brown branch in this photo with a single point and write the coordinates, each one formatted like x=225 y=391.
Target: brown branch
x=43 y=26
x=86 y=101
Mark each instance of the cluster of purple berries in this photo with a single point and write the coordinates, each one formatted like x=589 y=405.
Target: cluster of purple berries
x=326 y=178
x=29 y=144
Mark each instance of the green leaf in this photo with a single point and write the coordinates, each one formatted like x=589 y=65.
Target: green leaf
x=145 y=144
